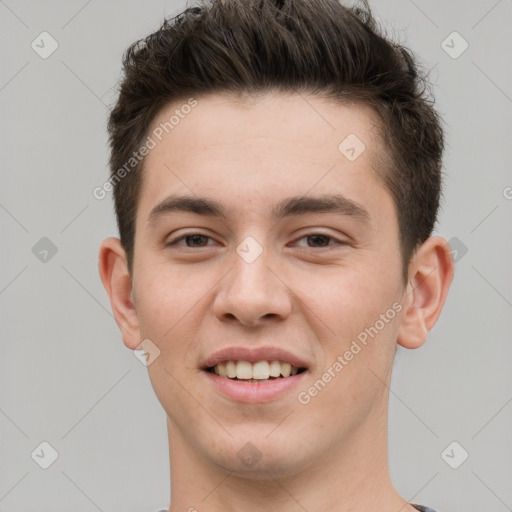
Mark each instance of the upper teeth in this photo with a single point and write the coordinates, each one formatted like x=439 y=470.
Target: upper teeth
x=261 y=370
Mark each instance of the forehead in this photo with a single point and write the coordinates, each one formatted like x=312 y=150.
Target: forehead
x=278 y=120
x=250 y=149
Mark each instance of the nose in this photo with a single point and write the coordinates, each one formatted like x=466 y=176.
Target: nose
x=253 y=293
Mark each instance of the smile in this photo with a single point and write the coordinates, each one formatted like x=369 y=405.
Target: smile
x=258 y=382
x=261 y=371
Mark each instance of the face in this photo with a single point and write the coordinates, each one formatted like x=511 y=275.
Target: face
x=279 y=276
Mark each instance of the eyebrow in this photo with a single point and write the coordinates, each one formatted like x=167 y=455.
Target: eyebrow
x=292 y=206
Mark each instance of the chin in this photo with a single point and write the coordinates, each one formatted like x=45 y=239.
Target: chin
x=258 y=457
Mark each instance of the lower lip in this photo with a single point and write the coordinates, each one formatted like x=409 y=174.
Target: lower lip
x=255 y=392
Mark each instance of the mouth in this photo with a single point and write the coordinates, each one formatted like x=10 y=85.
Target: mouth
x=258 y=372
x=255 y=375
x=259 y=382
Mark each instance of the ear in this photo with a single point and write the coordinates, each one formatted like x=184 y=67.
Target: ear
x=430 y=275
x=116 y=279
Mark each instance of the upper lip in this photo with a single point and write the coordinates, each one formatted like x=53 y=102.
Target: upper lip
x=253 y=355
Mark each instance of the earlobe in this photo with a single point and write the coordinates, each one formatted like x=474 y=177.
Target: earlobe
x=116 y=280
x=431 y=273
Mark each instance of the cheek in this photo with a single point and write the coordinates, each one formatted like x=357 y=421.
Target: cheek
x=171 y=307
x=164 y=295
x=351 y=311
x=160 y=305
x=348 y=298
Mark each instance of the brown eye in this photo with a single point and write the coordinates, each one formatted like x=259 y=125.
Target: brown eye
x=323 y=240
x=191 y=240
x=196 y=239
x=320 y=240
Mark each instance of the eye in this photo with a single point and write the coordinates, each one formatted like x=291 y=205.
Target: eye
x=192 y=240
x=195 y=239
x=320 y=240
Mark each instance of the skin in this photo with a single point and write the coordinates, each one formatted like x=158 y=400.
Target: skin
x=329 y=454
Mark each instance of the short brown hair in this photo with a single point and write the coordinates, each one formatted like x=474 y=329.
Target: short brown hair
x=294 y=46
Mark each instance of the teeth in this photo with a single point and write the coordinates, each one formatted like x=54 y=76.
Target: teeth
x=231 y=369
x=275 y=369
x=243 y=370
x=286 y=369
x=262 y=370
x=221 y=367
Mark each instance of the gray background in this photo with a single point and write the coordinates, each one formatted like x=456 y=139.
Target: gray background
x=66 y=377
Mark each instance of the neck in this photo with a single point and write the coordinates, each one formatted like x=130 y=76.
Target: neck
x=352 y=477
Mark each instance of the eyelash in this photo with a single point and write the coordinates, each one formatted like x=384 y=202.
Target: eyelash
x=183 y=237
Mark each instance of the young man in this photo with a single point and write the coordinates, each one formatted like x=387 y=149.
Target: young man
x=276 y=171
